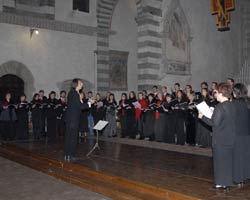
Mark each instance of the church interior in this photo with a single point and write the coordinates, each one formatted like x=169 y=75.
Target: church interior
x=124 y=52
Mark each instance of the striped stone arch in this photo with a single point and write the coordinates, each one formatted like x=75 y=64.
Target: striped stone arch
x=20 y=70
x=105 y=9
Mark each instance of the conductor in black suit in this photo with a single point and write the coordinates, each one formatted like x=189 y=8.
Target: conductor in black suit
x=72 y=119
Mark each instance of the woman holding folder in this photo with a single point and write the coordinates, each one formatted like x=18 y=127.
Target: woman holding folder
x=223 y=138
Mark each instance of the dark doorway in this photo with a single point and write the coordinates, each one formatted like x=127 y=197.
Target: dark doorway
x=13 y=84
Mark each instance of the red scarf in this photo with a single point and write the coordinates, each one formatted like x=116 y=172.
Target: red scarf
x=157 y=114
x=143 y=103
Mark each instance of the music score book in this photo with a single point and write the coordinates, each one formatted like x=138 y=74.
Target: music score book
x=205 y=110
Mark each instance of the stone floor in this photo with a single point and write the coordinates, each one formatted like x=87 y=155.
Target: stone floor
x=18 y=182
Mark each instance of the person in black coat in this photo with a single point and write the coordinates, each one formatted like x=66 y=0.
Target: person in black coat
x=72 y=119
x=61 y=108
x=22 y=124
x=160 y=119
x=84 y=123
x=122 y=114
x=51 y=115
x=149 y=118
x=98 y=109
x=130 y=110
x=241 y=158
x=192 y=119
x=180 y=114
x=43 y=100
x=170 y=118
x=8 y=118
x=223 y=138
x=36 y=116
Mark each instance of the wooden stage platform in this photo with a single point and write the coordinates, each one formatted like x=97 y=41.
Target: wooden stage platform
x=126 y=172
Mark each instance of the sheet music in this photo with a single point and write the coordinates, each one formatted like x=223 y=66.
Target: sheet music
x=137 y=105
x=205 y=110
x=99 y=104
x=100 y=125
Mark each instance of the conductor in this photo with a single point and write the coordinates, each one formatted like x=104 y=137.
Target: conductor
x=72 y=119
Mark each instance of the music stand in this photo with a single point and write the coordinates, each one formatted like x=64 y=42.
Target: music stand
x=98 y=127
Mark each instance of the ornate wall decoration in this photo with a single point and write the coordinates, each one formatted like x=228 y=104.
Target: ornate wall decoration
x=118 y=70
x=176 y=41
x=221 y=9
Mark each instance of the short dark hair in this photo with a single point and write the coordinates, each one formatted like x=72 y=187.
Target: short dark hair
x=190 y=86
x=35 y=95
x=124 y=94
x=240 y=91
x=231 y=79
x=41 y=91
x=204 y=83
x=155 y=86
x=178 y=84
x=52 y=92
x=224 y=89
x=63 y=91
x=74 y=83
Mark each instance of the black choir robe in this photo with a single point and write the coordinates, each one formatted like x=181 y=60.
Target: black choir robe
x=22 y=124
x=36 y=118
x=51 y=115
x=122 y=113
x=179 y=120
x=149 y=121
x=241 y=157
x=84 y=123
x=131 y=122
x=223 y=140
x=191 y=123
x=160 y=123
x=170 y=125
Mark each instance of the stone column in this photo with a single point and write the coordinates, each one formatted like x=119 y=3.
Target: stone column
x=149 y=42
x=104 y=15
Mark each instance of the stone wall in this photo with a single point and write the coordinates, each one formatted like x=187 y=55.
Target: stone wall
x=77 y=44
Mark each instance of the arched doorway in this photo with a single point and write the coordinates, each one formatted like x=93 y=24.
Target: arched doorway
x=13 y=84
x=22 y=72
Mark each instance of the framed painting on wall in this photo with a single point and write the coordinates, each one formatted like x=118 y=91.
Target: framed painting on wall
x=118 y=70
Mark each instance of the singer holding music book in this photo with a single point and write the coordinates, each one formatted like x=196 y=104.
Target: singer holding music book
x=223 y=138
x=8 y=118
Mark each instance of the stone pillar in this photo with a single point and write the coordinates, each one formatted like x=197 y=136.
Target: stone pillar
x=149 y=42
x=105 y=10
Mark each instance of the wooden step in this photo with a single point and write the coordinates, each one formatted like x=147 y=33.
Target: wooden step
x=112 y=186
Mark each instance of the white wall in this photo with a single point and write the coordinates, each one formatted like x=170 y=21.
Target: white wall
x=214 y=54
x=52 y=57
x=125 y=39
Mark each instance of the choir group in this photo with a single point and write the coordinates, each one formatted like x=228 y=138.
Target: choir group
x=170 y=117
x=159 y=115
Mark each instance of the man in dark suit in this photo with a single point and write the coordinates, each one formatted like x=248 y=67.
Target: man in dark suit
x=72 y=119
